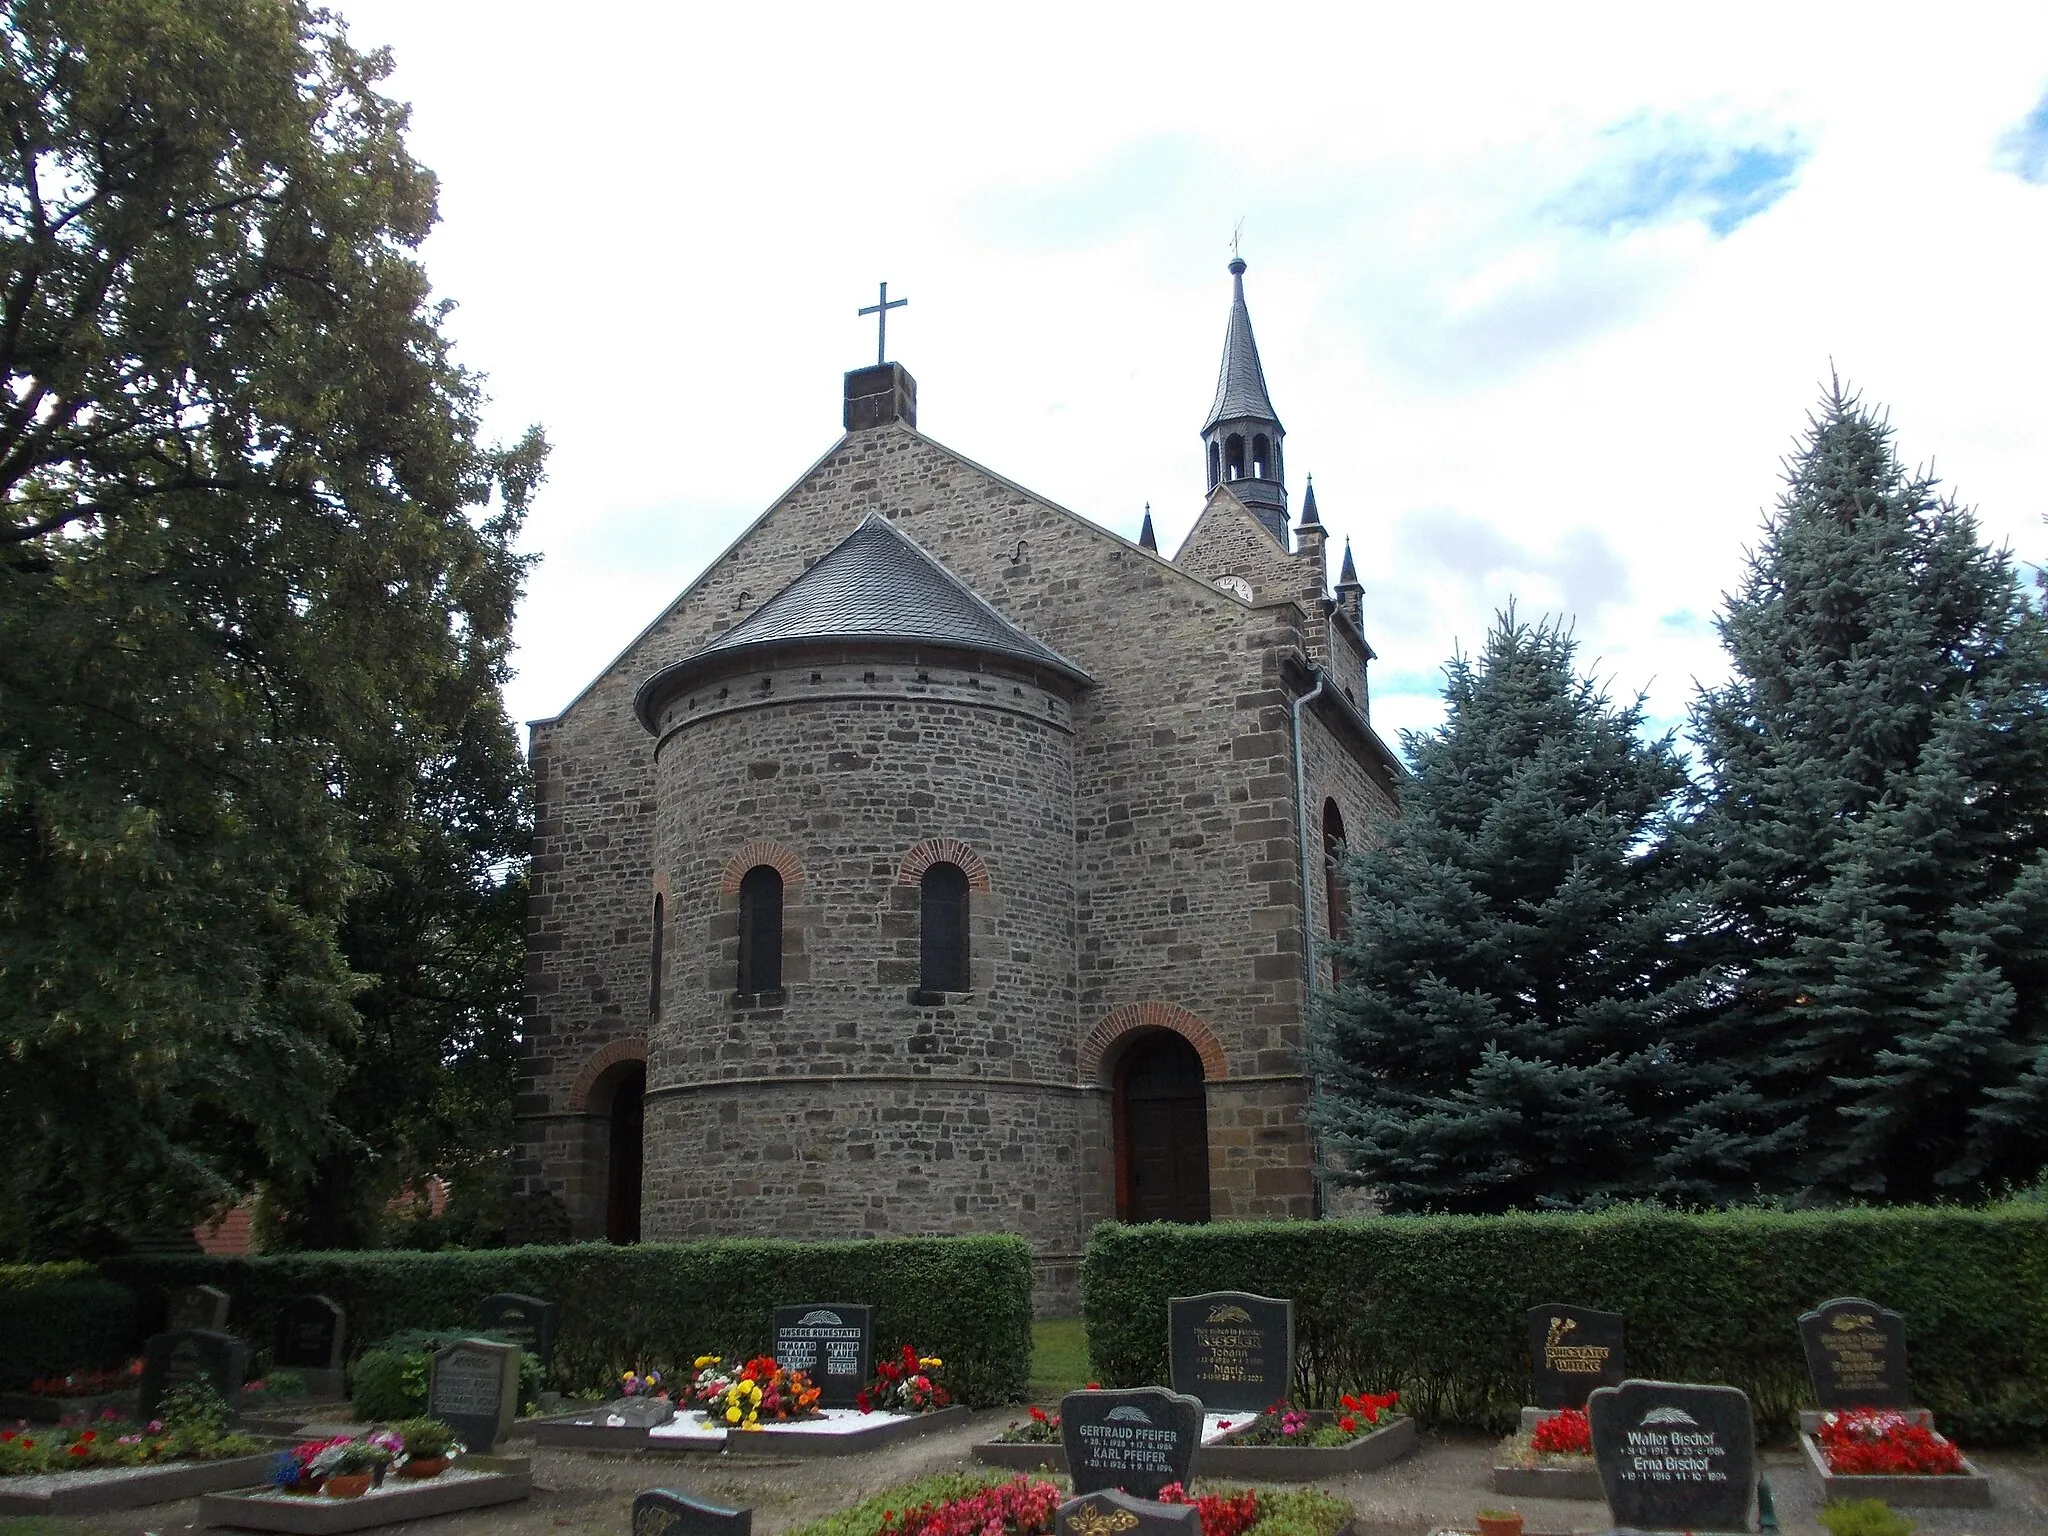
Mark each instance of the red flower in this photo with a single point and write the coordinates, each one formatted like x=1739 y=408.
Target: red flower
x=89 y=1435
x=1564 y=1433
x=77 y=1449
x=1878 y=1442
x=1038 y=1413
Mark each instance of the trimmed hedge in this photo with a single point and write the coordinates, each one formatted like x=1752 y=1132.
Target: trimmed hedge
x=967 y=1299
x=62 y=1317
x=1433 y=1306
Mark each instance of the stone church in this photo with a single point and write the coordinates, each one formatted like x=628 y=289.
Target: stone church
x=943 y=861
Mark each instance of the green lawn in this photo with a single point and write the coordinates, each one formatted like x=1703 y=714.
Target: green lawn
x=1059 y=1358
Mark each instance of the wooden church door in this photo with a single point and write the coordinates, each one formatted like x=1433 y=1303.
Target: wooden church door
x=623 y=1162
x=1163 y=1132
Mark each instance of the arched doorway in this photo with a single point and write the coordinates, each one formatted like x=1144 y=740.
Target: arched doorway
x=627 y=1113
x=1162 y=1131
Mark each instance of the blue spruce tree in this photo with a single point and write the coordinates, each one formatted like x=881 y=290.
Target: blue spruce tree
x=1521 y=1016
x=1878 y=817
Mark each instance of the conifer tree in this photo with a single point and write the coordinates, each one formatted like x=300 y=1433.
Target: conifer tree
x=1879 y=812
x=1512 y=1025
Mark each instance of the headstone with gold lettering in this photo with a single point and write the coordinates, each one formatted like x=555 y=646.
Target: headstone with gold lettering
x=1573 y=1350
x=1231 y=1349
x=1113 y=1513
x=1856 y=1354
x=658 y=1512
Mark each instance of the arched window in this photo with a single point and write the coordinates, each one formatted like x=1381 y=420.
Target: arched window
x=1233 y=456
x=1262 y=457
x=1215 y=464
x=654 y=962
x=1333 y=880
x=760 y=930
x=942 y=929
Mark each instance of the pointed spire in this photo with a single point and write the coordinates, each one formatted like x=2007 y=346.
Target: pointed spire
x=1348 y=576
x=1241 y=384
x=1146 y=538
x=1308 y=505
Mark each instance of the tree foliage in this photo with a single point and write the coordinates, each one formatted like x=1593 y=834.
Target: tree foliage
x=1519 y=1022
x=255 y=589
x=1878 y=830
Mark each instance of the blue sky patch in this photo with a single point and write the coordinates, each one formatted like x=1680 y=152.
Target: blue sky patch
x=2024 y=150
x=1663 y=173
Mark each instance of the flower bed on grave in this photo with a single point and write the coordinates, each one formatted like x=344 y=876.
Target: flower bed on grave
x=1552 y=1460
x=971 y=1504
x=107 y=1462
x=1863 y=1453
x=1290 y=1444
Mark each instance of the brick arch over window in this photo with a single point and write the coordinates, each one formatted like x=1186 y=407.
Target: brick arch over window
x=586 y=1080
x=943 y=850
x=774 y=855
x=1131 y=1018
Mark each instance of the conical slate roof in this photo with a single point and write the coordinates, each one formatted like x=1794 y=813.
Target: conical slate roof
x=1241 y=383
x=877 y=583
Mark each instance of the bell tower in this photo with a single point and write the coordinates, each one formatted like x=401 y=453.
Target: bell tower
x=1242 y=435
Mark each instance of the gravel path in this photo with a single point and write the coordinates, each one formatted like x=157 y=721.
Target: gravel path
x=581 y=1494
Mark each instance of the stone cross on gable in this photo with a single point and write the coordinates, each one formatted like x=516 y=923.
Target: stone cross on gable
x=880 y=310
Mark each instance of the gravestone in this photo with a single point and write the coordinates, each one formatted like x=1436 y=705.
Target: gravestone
x=184 y=1355
x=661 y=1513
x=833 y=1343
x=1675 y=1457
x=1573 y=1350
x=474 y=1389
x=1856 y=1354
x=197 y=1306
x=634 y=1413
x=1138 y=1439
x=1231 y=1349
x=527 y=1321
x=311 y=1333
x=1114 y=1513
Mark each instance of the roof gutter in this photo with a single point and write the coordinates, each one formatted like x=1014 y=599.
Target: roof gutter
x=1308 y=948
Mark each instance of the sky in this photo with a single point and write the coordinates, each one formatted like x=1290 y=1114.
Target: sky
x=1544 y=294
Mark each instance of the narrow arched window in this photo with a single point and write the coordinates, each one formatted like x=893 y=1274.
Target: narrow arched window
x=1215 y=464
x=760 y=930
x=1333 y=880
x=1262 y=455
x=1233 y=456
x=942 y=929
x=654 y=962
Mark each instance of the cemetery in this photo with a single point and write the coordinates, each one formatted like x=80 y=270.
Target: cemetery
x=1290 y=1397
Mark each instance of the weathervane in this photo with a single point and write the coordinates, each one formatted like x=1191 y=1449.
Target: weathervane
x=880 y=310
x=1235 y=235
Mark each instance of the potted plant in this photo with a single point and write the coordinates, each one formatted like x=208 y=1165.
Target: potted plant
x=348 y=1467
x=426 y=1446
x=1500 y=1522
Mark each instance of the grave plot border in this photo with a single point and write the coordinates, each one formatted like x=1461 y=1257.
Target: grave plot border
x=1969 y=1489
x=43 y=1408
x=1024 y=1456
x=1307 y=1463
x=97 y=1491
x=1549 y=1482
x=562 y=1433
x=491 y=1480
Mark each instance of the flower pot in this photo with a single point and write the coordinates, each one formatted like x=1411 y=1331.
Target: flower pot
x=346 y=1485
x=1500 y=1525
x=424 y=1466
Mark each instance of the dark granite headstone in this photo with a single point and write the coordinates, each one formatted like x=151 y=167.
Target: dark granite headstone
x=1573 y=1350
x=1675 y=1457
x=186 y=1355
x=1114 y=1513
x=661 y=1513
x=310 y=1334
x=1231 y=1349
x=474 y=1389
x=833 y=1343
x=1856 y=1354
x=1138 y=1439
x=197 y=1306
x=527 y=1321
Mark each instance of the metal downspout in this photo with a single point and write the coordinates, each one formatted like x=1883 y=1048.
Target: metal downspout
x=1308 y=948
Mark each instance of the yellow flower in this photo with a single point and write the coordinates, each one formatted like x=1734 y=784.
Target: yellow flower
x=704 y=1360
x=732 y=1415
x=931 y=1363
